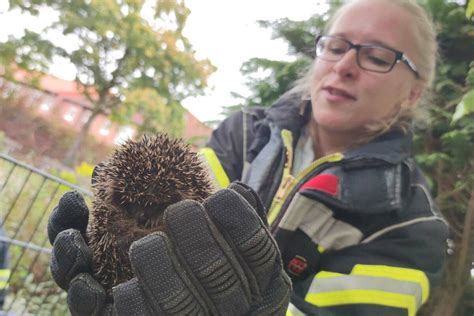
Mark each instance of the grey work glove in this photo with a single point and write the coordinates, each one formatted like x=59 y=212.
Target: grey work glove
x=216 y=258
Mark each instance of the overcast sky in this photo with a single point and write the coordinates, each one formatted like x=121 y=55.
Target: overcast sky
x=225 y=32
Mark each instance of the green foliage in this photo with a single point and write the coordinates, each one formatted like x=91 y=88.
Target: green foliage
x=68 y=176
x=465 y=107
x=85 y=170
x=470 y=9
x=40 y=298
x=267 y=89
x=157 y=114
x=118 y=52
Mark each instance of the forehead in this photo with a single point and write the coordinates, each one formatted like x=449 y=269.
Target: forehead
x=375 y=21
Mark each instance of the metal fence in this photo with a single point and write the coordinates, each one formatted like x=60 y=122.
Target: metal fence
x=27 y=196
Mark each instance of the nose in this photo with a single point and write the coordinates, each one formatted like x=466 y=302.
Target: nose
x=347 y=66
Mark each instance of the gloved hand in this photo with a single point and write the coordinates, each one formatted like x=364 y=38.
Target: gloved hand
x=71 y=260
x=216 y=258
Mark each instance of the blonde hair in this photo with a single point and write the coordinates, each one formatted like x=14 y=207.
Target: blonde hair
x=425 y=58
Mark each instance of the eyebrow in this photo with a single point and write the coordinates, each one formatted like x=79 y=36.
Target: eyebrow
x=371 y=42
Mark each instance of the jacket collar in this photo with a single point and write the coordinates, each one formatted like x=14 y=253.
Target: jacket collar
x=392 y=147
x=290 y=112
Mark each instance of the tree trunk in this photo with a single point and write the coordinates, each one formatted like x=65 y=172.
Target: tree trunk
x=71 y=155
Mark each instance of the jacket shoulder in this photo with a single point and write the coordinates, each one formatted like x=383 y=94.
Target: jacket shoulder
x=372 y=186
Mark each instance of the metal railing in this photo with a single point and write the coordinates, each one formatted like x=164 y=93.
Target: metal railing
x=27 y=196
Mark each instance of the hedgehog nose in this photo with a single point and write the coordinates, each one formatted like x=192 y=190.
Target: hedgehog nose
x=141 y=219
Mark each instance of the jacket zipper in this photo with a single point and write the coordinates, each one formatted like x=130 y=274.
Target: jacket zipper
x=286 y=177
x=290 y=184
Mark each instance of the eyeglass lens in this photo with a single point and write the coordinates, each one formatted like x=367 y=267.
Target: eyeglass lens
x=373 y=58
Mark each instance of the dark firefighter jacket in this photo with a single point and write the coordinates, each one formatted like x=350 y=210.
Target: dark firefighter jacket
x=358 y=231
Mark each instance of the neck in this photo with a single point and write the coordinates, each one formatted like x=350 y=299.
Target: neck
x=328 y=142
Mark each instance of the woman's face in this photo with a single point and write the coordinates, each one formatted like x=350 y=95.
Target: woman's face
x=346 y=98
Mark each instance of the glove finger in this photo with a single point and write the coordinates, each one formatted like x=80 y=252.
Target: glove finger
x=163 y=280
x=129 y=300
x=276 y=298
x=245 y=231
x=70 y=257
x=208 y=256
x=71 y=212
x=86 y=296
x=251 y=197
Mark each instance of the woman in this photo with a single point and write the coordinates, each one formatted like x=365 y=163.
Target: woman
x=347 y=205
x=357 y=225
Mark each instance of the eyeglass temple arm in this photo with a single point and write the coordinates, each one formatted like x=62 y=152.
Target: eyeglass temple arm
x=410 y=64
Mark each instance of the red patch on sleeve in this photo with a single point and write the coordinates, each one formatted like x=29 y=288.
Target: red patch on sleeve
x=324 y=182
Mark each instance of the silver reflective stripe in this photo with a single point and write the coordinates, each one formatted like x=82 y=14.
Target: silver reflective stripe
x=393 y=186
x=301 y=210
x=244 y=134
x=344 y=283
x=391 y=286
x=261 y=166
x=303 y=152
x=294 y=311
x=400 y=225
x=339 y=235
x=316 y=220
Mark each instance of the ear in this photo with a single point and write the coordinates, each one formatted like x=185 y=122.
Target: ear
x=415 y=93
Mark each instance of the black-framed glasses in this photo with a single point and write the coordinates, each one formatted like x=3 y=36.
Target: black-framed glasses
x=369 y=57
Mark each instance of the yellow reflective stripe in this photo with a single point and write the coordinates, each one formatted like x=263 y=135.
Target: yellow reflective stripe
x=286 y=178
x=216 y=167
x=397 y=273
x=329 y=158
x=3 y=285
x=328 y=274
x=371 y=284
x=287 y=138
x=293 y=311
x=363 y=297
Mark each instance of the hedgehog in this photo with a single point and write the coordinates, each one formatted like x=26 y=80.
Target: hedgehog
x=132 y=188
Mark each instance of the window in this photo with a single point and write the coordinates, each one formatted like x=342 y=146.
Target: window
x=124 y=134
x=70 y=115
x=105 y=129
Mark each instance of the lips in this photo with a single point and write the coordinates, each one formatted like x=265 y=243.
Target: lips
x=339 y=93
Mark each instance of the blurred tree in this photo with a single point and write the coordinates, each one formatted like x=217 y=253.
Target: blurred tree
x=269 y=79
x=444 y=147
x=130 y=57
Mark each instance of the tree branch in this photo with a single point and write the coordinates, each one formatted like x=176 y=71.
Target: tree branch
x=115 y=73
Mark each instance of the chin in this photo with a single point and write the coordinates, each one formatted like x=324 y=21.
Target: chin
x=331 y=121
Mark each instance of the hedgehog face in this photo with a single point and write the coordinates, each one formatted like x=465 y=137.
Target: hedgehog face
x=145 y=216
